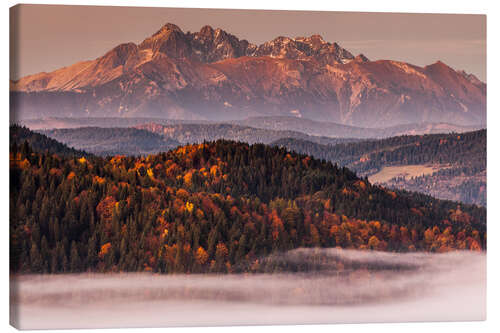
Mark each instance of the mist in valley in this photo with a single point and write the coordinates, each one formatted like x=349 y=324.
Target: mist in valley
x=313 y=286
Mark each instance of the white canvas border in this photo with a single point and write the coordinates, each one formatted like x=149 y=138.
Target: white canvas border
x=422 y=6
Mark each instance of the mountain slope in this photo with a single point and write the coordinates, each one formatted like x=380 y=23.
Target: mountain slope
x=214 y=207
x=214 y=75
x=458 y=162
x=113 y=141
x=20 y=135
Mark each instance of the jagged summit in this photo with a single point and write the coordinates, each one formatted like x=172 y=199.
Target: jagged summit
x=305 y=48
x=171 y=26
x=212 y=45
x=317 y=38
x=206 y=29
x=471 y=77
x=361 y=58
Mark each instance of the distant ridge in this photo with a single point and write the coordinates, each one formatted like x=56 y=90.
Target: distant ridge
x=278 y=123
x=113 y=141
x=330 y=129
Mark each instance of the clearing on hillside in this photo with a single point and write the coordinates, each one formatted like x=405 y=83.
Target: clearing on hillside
x=407 y=171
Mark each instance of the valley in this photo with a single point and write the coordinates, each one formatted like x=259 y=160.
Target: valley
x=443 y=282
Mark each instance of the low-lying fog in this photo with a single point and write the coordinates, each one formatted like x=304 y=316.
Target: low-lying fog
x=343 y=286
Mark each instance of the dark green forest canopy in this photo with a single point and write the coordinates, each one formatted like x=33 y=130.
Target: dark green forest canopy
x=113 y=141
x=20 y=135
x=212 y=207
x=464 y=149
x=459 y=161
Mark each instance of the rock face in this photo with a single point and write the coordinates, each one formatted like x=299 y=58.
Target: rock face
x=213 y=75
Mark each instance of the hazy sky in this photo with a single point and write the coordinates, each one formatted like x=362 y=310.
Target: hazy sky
x=49 y=37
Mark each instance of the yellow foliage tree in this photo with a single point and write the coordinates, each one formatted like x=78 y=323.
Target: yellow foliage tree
x=428 y=236
x=104 y=250
x=201 y=256
x=188 y=177
x=150 y=173
x=214 y=170
x=373 y=242
x=189 y=206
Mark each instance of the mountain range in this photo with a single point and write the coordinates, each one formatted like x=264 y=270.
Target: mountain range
x=275 y=124
x=213 y=75
x=151 y=138
x=335 y=130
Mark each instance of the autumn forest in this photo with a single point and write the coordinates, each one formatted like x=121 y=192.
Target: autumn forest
x=212 y=207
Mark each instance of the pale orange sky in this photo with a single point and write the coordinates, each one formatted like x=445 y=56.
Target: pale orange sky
x=49 y=36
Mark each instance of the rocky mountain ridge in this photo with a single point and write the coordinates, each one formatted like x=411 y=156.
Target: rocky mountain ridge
x=213 y=75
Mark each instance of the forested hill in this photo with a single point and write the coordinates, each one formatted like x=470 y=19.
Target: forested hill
x=447 y=166
x=214 y=207
x=19 y=135
x=113 y=141
x=371 y=155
